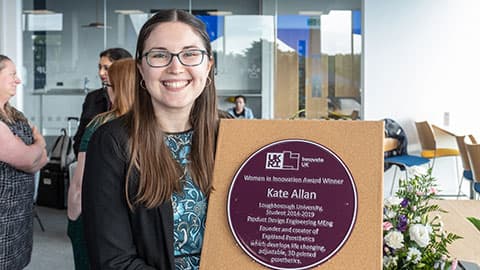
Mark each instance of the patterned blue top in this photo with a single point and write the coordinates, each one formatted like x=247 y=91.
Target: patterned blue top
x=189 y=208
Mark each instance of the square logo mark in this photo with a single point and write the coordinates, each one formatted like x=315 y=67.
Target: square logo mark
x=283 y=161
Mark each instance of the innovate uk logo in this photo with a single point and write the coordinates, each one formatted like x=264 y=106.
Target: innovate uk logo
x=283 y=161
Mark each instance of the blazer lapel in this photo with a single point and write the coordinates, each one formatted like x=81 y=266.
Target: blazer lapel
x=166 y=213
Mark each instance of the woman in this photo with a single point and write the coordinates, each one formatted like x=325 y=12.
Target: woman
x=120 y=83
x=22 y=153
x=97 y=101
x=240 y=110
x=148 y=174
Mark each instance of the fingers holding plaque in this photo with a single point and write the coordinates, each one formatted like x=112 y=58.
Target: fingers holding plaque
x=292 y=205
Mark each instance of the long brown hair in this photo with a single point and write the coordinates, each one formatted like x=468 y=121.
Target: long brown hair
x=9 y=113
x=122 y=79
x=159 y=173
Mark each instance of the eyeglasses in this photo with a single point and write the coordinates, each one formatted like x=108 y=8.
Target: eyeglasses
x=163 y=58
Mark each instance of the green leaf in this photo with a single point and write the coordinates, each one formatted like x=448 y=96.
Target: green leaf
x=475 y=222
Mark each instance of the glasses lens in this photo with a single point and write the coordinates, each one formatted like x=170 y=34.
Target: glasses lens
x=191 y=57
x=158 y=58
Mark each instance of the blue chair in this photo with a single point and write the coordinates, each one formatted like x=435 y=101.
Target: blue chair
x=427 y=139
x=399 y=157
x=467 y=171
x=473 y=151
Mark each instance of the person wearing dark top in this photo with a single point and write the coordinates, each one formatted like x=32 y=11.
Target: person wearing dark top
x=97 y=101
x=148 y=174
x=241 y=110
x=121 y=81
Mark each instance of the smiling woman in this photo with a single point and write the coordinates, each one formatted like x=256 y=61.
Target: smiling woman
x=174 y=84
x=149 y=172
x=22 y=153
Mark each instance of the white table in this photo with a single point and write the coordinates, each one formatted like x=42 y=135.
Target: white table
x=468 y=248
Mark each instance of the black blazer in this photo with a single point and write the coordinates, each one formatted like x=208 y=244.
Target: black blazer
x=96 y=102
x=118 y=238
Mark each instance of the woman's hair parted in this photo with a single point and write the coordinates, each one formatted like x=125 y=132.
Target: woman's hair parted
x=159 y=173
x=122 y=79
x=9 y=113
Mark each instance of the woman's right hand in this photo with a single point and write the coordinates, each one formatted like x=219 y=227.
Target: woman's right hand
x=38 y=138
x=39 y=142
x=73 y=212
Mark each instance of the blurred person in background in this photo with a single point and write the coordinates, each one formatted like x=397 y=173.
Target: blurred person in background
x=240 y=110
x=120 y=87
x=97 y=101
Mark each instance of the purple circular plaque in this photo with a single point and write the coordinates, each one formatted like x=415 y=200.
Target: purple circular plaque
x=292 y=205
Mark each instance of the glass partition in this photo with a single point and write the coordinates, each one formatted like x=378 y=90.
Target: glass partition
x=240 y=59
x=287 y=57
x=317 y=58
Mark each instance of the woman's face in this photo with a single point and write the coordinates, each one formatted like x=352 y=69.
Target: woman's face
x=103 y=64
x=239 y=104
x=8 y=80
x=175 y=86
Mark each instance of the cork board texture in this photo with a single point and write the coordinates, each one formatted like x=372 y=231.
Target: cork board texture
x=359 y=144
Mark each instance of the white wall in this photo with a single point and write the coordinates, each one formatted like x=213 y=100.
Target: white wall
x=11 y=41
x=421 y=59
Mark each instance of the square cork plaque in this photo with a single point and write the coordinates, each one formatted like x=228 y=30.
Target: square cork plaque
x=302 y=194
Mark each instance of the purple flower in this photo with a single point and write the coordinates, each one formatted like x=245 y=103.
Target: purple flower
x=402 y=223
x=404 y=203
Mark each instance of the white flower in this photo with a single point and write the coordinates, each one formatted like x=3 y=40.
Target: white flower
x=420 y=234
x=389 y=261
x=394 y=239
x=417 y=171
x=391 y=201
x=429 y=228
x=414 y=255
x=389 y=214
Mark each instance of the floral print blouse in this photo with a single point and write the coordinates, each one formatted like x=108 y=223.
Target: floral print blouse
x=189 y=207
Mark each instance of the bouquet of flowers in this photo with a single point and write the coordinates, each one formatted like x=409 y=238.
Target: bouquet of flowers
x=413 y=236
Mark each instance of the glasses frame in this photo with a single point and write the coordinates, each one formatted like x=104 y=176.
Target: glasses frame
x=204 y=52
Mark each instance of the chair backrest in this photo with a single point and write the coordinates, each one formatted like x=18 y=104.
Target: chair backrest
x=473 y=150
x=426 y=135
x=463 y=152
x=355 y=115
x=472 y=139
